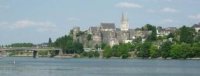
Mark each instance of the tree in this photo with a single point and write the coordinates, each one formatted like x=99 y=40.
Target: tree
x=21 y=45
x=96 y=54
x=137 y=40
x=165 y=49
x=78 y=47
x=124 y=49
x=196 y=49
x=107 y=52
x=181 y=51
x=96 y=46
x=103 y=45
x=116 y=51
x=64 y=42
x=144 y=51
x=186 y=34
x=171 y=35
x=89 y=37
x=153 y=35
x=154 y=53
x=67 y=44
x=50 y=42
x=175 y=52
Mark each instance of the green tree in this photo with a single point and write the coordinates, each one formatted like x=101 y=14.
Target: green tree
x=96 y=46
x=103 y=45
x=96 y=54
x=67 y=44
x=175 y=51
x=78 y=47
x=116 y=51
x=107 y=52
x=154 y=53
x=124 y=49
x=144 y=51
x=171 y=35
x=186 y=34
x=165 y=49
x=22 y=45
x=196 y=49
x=89 y=37
x=153 y=35
x=181 y=51
x=50 y=42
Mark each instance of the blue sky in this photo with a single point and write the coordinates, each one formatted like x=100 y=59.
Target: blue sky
x=36 y=20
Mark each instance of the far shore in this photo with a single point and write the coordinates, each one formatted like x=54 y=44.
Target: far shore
x=69 y=57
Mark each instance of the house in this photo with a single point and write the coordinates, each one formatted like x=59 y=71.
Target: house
x=196 y=27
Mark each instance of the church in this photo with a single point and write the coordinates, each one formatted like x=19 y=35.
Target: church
x=108 y=33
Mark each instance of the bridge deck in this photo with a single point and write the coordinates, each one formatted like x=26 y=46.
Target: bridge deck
x=29 y=48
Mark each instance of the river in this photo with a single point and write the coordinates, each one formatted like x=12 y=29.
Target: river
x=27 y=66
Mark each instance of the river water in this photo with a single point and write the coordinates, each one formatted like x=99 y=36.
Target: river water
x=27 y=66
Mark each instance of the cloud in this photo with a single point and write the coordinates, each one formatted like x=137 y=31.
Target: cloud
x=23 y=24
x=195 y=17
x=128 y=5
x=169 y=10
x=28 y=24
x=163 y=10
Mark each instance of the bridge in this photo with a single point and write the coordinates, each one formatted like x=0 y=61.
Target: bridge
x=33 y=49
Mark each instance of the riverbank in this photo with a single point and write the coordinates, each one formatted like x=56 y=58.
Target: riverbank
x=79 y=57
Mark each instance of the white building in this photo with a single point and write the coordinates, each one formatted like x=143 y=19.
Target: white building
x=196 y=27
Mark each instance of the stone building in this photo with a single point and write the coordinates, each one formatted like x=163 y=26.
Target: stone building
x=165 y=31
x=107 y=27
x=109 y=34
x=75 y=32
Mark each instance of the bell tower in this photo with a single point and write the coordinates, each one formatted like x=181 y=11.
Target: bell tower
x=124 y=23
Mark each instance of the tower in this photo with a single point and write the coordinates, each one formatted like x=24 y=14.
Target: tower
x=124 y=23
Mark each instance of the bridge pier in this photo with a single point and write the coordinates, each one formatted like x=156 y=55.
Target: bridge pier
x=100 y=54
x=48 y=53
x=35 y=54
x=60 y=53
x=2 y=53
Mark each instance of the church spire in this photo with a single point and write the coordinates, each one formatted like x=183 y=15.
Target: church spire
x=124 y=23
x=124 y=17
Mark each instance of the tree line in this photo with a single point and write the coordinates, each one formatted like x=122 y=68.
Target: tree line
x=183 y=43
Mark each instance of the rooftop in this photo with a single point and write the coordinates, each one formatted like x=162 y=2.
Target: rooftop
x=108 y=25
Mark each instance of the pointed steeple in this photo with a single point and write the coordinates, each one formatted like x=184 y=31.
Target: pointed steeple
x=124 y=23
x=124 y=17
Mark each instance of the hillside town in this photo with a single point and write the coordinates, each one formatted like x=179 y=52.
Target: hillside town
x=109 y=33
x=96 y=38
x=107 y=40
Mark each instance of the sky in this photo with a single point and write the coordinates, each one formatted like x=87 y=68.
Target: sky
x=36 y=21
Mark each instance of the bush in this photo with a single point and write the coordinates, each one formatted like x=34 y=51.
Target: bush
x=124 y=56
